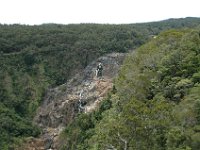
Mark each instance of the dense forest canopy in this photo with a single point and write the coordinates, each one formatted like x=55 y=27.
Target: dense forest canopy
x=103 y=38
x=155 y=104
x=35 y=58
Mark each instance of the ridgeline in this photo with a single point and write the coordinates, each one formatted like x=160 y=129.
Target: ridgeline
x=161 y=77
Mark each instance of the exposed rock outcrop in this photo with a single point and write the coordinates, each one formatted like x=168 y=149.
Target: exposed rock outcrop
x=61 y=104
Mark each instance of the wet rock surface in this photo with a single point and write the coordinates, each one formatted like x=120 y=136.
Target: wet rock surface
x=61 y=104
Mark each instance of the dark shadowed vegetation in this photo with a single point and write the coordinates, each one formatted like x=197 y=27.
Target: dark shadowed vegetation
x=157 y=102
x=159 y=82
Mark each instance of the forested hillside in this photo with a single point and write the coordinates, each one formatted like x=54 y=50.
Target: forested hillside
x=35 y=58
x=155 y=104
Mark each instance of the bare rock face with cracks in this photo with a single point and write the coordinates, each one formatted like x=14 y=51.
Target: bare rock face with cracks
x=62 y=104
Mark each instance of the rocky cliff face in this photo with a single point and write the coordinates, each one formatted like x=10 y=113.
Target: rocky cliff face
x=62 y=103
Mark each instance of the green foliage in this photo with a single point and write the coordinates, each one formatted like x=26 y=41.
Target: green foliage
x=35 y=58
x=196 y=77
x=141 y=125
x=156 y=101
x=175 y=76
x=82 y=128
x=12 y=125
x=176 y=140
